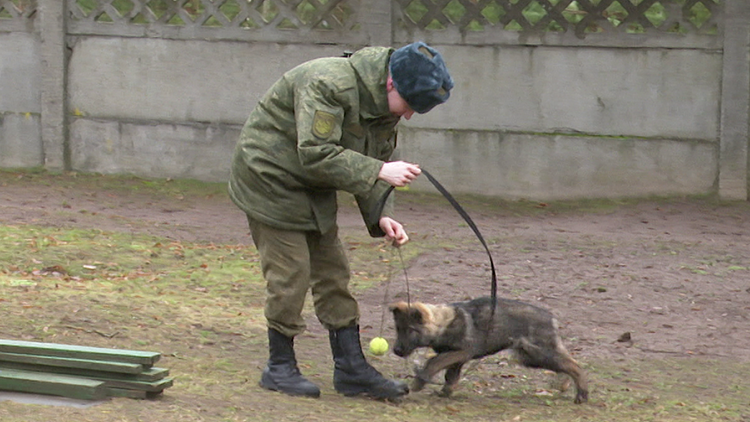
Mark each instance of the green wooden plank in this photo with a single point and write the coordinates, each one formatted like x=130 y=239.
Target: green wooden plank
x=123 y=392
x=149 y=374
x=79 y=352
x=95 y=365
x=141 y=385
x=56 y=385
x=133 y=394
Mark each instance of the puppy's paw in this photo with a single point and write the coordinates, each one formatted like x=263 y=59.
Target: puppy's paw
x=582 y=396
x=445 y=392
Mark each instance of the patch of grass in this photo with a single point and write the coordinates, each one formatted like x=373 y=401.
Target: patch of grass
x=114 y=277
x=114 y=183
x=674 y=389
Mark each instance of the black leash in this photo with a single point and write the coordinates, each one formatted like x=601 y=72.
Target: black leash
x=378 y=210
x=388 y=282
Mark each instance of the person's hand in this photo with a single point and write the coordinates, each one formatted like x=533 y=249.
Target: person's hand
x=399 y=173
x=394 y=231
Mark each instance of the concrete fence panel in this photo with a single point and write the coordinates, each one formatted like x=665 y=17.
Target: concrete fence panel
x=20 y=100
x=616 y=92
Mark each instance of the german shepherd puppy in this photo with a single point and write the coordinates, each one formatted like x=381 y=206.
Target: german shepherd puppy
x=462 y=331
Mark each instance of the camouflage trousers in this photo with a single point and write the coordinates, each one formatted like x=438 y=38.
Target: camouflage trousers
x=294 y=262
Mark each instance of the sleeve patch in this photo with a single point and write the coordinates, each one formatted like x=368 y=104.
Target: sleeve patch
x=323 y=124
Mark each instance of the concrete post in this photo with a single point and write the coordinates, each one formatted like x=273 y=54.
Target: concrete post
x=376 y=17
x=54 y=82
x=735 y=102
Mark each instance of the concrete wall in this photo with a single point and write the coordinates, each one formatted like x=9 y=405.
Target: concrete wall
x=526 y=166
x=617 y=92
x=142 y=106
x=159 y=80
x=645 y=121
x=533 y=115
x=20 y=106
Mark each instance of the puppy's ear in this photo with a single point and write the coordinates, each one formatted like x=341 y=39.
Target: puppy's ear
x=416 y=315
x=399 y=307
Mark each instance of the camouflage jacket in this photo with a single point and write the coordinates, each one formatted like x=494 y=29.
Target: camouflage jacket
x=324 y=126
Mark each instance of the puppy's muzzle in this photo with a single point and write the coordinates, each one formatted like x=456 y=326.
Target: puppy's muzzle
x=402 y=351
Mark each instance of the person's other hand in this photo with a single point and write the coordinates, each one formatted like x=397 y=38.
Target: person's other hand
x=394 y=231
x=399 y=173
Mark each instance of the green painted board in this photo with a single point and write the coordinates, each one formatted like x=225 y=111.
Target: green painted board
x=140 y=385
x=148 y=374
x=52 y=384
x=122 y=392
x=79 y=352
x=96 y=365
x=132 y=394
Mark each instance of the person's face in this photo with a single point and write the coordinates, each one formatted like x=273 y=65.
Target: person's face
x=396 y=104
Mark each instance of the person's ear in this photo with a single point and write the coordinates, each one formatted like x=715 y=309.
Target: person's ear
x=389 y=84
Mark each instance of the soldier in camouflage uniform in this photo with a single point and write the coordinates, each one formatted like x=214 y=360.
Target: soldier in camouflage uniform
x=327 y=125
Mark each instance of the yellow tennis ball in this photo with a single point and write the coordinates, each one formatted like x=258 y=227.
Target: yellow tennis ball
x=378 y=346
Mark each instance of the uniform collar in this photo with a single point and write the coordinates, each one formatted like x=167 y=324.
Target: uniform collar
x=371 y=67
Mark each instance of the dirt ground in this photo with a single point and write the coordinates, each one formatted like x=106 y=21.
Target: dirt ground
x=673 y=275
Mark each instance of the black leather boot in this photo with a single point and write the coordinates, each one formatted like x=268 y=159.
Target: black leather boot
x=281 y=372
x=352 y=375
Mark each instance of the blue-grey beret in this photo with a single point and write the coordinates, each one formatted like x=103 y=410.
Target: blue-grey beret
x=420 y=76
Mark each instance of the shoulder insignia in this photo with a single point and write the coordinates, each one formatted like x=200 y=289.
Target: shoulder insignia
x=323 y=123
